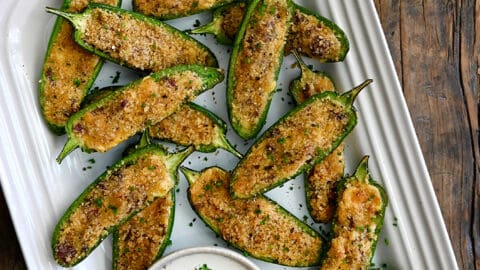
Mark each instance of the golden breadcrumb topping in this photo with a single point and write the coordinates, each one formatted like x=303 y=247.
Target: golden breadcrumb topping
x=312 y=83
x=141 y=45
x=187 y=127
x=297 y=140
x=173 y=8
x=322 y=183
x=257 y=226
x=68 y=69
x=359 y=207
x=258 y=60
x=122 y=192
x=232 y=18
x=79 y=5
x=141 y=237
x=144 y=103
x=313 y=38
x=322 y=179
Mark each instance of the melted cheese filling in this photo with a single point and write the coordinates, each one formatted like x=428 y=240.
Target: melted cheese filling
x=141 y=45
x=131 y=110
x=257 y=225
x=114 y=198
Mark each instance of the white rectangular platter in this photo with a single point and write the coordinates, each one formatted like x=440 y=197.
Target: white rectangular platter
x=38 y=190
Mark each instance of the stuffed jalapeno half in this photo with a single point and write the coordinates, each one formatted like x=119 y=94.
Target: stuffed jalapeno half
x=142 y=239
x=68 y=71
x=125 y=188
x=322 y=179
x=225 y=23
x=317 y=37
x=311 y=35
x=190 y=125
x=358 y=221
x=170 y=9
x=255 y=62
x=296 y=142
x=133 y=40
x=130 y=109
x=196 y=126
x=258 y=227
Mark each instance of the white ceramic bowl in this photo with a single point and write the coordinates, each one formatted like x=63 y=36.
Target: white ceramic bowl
x=214 y=258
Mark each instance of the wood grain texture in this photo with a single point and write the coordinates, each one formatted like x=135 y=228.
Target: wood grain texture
x=435 y=46
x=10 y=254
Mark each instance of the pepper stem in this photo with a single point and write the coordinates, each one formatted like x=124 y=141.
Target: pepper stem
x=361 y=173
x=225 y=144
x=175 y=159
x=190 y=175
x=303 y=66
x=145 y=139
x=69 y=146
x=210 y=28
x=71 y=17
x=349 y=97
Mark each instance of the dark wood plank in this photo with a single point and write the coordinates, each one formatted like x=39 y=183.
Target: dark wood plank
x=10 y=253
x=436 y=44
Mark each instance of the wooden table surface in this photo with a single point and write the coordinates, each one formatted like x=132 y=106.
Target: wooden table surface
x=436 y=52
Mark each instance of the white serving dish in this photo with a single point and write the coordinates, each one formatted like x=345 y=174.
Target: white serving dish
x=38 y=190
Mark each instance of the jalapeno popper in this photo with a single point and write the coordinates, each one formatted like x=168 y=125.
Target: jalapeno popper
x=358 y=221
x=294 y=144
x=310 y=34
x=316 y=37
x=225 y=23
x=130 y=109
x=191 y=125
x=259 y=227
x=322 y=179
x=170 y=9
x=196 y=126
x=255 y=63
x=68 y=71
x=124 y=189
x=134 y=40
x=142 y=239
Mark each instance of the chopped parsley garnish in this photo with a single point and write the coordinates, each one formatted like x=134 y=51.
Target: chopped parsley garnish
x=116 y=78
x=197 y=23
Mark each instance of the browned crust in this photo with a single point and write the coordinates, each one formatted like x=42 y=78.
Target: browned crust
x=117 y=196
x=140 y=238
x=257 y=225
x=258 y=61
x=290 y=145
x=355 y=230
x=145 y=103
x=186 y=127
x=313 y=38
x=322 y=183
x=68 y=70
x=139 y=44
